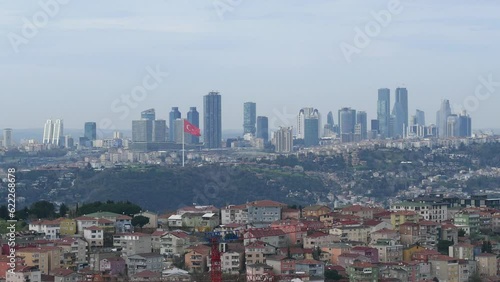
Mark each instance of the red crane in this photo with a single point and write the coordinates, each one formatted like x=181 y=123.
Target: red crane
x=216 y=272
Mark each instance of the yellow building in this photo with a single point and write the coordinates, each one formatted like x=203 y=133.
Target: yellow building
x=45 y=258
x=407 y=253
x=68 y=227
x=400 y=217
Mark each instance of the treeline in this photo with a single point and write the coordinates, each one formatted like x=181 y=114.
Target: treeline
x=48 y=210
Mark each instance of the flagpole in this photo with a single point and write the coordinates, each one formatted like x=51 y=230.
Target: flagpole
x=183 y=134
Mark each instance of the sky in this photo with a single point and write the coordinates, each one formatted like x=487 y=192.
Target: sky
x=80 y=60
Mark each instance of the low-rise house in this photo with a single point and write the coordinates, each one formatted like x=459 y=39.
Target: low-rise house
x=313 y=268
x=294 y=230
x=282 y=265
x=288 y=213
x=123 y=224
x=461 y=251
x=106 y=225
x=66 y=275
x=358 y=210
x=83 y=222
x=113 y=266
x=363 y=271
x=487 y=264
x=410 y=250
x=23 y=274
x=156 y=240
x=141 y=262
x=132 y=243
x=371 y=253
x=175 y=243
x=259 y=272
x=274 y=237
x=50 y=228
x=175 y=275
x=335 y=250
x=389 y=250
x=444 y=268
x=234 y=214
x=195 y=260
x=385 y=234
x=347 y=259
x=94 y=236
x=45 y=258
x=197 y=209
x=256 y=252
x=297 y=253
x=319 y=239
x=67 y=227
x=175 y=221
x=146 y=275
x=315 y=211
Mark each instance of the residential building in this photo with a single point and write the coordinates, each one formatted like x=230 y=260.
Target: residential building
x=195 y=259
x=132 y=243
x=444 y=268
x=257 y=251
x=283 y=140
x=469 y=221
x=67 y=227
x=400 y=217
x=94 y=236
x=461 y=251
x=113 y=266
x=153 y=219
x=45 y=258
x=66 y=275
x=174 y=243
x=234 y=214
x=313 y=268
x=144 y=261
x=363 y=272
x=50 y=228
x=83 y=222
x=487 y=264
x=315 y=211
x=23 y=274
x=389 y=250
x=264 y=212
x=273 y=237
x=281 y=265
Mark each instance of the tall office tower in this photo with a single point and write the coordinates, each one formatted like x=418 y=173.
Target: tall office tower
x=47 y=132
x=212 y=120
x=117 y=135
x=142 y=131
x=384 y=111
x=179 y=131
x=329 y=119
x=90 y=131
x=442 y=118
x=249 y=118
x=328 y=129
x=362 y=119
x=374 y=129
x=172 y=117
x=452 y=126
x=148 y=114
x=194 y=118
x=311 y=133
x=303 y=114
x=159 y=130
x=7 y=137
x=464 y=125
x=347 y=120
x=398 y=123
x=402 y=99
x=283 y=140
x=420 y=115
x=263 y=128
x=69 y=142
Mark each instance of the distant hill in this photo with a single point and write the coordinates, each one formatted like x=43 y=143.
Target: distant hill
x=163 y=189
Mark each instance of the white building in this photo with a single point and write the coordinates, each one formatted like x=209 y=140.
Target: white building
x=53 y=131
x=50 y=228
x=94 y=235
x=234 y=214
x=23 y=274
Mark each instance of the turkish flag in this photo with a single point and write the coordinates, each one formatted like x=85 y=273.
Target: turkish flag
x=191 y=129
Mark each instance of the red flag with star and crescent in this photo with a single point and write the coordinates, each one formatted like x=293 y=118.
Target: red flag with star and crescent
x=191 y=129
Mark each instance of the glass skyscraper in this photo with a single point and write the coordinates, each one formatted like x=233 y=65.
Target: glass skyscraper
x=148 y=114
x=172 y=116
x=194 y=118
x=142 y=130
x=402 y=99
x=384 y=111
x=212 y=120
x=362 y=120
x=263 y=128
x=90 y=131
x=311 y=133
x=249 y=117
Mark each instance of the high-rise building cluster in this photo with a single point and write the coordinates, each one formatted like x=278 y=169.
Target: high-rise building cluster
x=53 y=132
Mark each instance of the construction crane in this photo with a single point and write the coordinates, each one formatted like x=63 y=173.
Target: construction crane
x=215 y=238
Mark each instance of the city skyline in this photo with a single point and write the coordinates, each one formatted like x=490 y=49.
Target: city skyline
x=277 y=50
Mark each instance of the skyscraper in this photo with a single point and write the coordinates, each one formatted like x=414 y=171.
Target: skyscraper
x=398 y=120
x=464 y=125
x=283 y=140
x=173 y=115
x=263 y=128
x=303 y=114
x=442 y=118
x=53 y=132
x=362 y=120
x=249 y=117
x=347 y=124
x=90 y=131
x=402 y=99
x=384 y=111
x=7 y=137
x=452 y=127
x=194 y=118
x=212 y=120
x=311 y=133
x=159 y=130
x=420 y=117
x=142 y=131
x=148 y=114
x=329 y=119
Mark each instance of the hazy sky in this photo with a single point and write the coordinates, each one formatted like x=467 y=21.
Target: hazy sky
x=282 y=54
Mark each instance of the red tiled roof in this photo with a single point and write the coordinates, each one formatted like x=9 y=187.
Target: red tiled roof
x=147 y=274
x=159 y=233
x=427 y=222
x=86 y=218
x=181 y=235
x=61 y=272
x=372 y=222
x=362 y=264
x=309 y=261
x=201 y=249
x=123 y=217
x=93 y=228
x=259 y=233
x=385 y=231
x=104 y=221
x=317 y=234
x=349 y=255
x=266 y=203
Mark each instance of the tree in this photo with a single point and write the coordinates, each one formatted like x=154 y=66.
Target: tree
x=486 y=247
x=140 y=221
x=475 y=277
x=443 y=245
x=42 y=209
x=332 y=274
x=63 y=210
x=461 y=233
